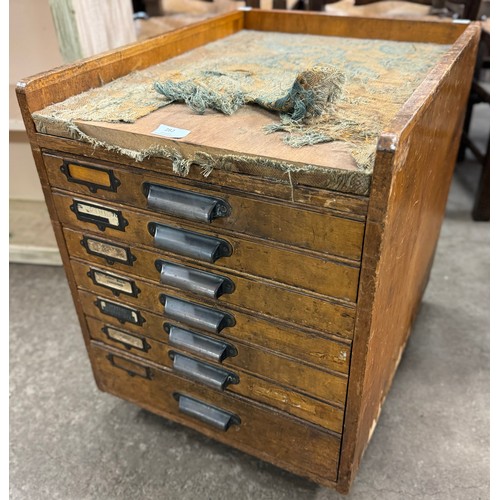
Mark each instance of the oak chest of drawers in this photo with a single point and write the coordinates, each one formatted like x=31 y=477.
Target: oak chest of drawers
x=267 y=308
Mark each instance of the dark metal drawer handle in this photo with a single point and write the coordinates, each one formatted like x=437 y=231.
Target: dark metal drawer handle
x=193 y=280
x=185 y=204
x=189 y=244
x=206 y=347
x=206 y=374
x=196 y=316
x=220 y=419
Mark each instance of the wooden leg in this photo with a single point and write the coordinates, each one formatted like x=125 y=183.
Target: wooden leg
x=153 y=7
x=465 y=133
x=279 y=4
x=316 y=5
x=481 y=211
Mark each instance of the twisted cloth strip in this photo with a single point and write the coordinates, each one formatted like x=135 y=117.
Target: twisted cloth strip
x=309 y=96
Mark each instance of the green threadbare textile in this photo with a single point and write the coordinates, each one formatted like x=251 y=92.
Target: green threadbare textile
x=282 y=172
x=309 y=96
x=322 y=88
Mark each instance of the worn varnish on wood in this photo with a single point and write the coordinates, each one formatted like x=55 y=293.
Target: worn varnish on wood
x=326 y=281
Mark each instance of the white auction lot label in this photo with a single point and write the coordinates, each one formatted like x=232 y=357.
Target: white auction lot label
x=171 y=132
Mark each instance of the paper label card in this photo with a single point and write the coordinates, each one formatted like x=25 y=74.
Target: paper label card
x=171 y=132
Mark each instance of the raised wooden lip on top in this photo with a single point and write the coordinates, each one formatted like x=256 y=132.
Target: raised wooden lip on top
x=43 y=89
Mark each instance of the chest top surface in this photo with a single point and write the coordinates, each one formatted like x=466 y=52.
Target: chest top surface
x=298 y=102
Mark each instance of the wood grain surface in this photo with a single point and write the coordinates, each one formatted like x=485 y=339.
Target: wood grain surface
x=268 y=221
x=252 y=296
x=309 y=348
x=354 y=27
x=259 y=378
x=268 y=434
x=414 y=166
x=129 y=171
x=280 y=265
x=241 y=134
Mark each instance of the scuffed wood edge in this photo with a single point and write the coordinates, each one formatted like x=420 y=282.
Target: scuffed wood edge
x=402 y=124
x=391 y=156
x=56 y=225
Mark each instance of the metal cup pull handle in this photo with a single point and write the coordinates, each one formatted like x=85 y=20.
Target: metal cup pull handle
x=185 y=204
x=220 y=419
x=206 y=374
x=188 y=243
x=195 y=315
x=193 y=280
x=206 y=347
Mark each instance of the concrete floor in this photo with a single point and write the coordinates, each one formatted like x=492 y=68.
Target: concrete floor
x=69 y=441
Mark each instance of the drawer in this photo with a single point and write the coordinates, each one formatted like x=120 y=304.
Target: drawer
x=230 y=366
x=307 y=347
x=305 y=271
x=112 y=181
x=220 y=291
x=269 y=221
x=290 y=372
x=253 y=428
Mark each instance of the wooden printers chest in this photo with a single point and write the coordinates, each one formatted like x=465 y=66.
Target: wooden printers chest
x=265 y=307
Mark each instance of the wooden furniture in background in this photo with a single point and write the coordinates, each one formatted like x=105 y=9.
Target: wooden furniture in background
x=88 y=27
x=424 y=9
x=276 y=4
x=173 y=14
x=291 y=355
x=480 y=94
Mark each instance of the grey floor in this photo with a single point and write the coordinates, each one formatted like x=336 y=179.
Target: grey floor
x=70 y=441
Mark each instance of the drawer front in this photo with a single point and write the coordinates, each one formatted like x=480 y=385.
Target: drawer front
x=307 y=348
x=84 y=175
x=257 y=429
x=220 y=290
x=327 y=386
x=269 y=221
x=303 y=271
x=193 y=355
